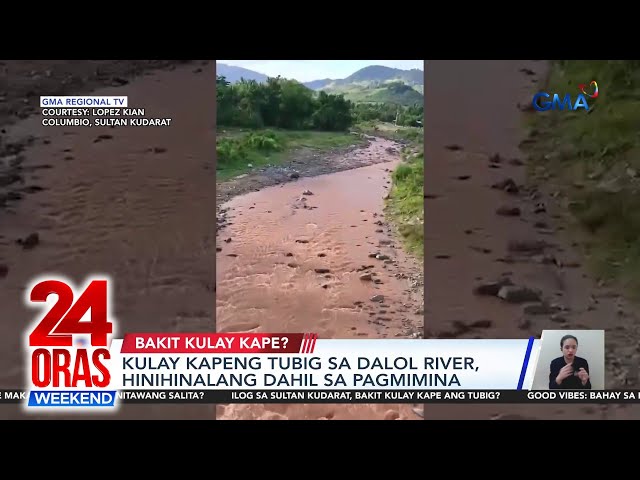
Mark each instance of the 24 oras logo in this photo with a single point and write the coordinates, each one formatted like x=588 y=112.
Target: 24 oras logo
x=69 y=356
x=541 y=103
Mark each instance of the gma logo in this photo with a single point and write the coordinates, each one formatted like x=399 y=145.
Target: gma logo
x=541 y=102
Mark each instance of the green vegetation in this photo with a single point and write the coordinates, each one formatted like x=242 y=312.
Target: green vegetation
x=260 y=124
x=405 y=205
x=406 y=135
x=280 y=115
x=378 y=84
x=406 y=116
x=406 y=201
x=396 y=92
x=592 y=159
x=239 y=150
x=280 y=103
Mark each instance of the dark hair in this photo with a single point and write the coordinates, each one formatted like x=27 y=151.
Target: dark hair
x=565 y=338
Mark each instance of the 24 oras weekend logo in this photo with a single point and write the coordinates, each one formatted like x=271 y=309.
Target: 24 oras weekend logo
x=67 y=345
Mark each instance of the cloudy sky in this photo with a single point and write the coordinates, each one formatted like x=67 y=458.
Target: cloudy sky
x=307 y=70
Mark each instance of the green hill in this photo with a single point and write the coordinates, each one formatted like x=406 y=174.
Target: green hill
x=377 y=84
x=396 y=93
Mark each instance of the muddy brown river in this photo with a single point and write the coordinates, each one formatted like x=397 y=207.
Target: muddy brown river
x=301 y=257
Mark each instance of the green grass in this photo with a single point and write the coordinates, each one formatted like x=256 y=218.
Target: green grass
x=399 y=94
x=241 y=150
x=413 y=135
x=406 y=201
x=593 y=160
x=405 y=205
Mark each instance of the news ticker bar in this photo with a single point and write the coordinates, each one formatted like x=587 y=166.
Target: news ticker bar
x=349 y=396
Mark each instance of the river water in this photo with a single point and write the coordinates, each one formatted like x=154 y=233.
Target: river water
x=292 y=260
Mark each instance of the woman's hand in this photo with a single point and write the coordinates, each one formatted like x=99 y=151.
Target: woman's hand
x=565 y=372
x=583 y=375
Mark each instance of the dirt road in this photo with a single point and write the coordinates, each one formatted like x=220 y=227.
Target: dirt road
x=136 y=204
x=311 y=255
x=474 y=234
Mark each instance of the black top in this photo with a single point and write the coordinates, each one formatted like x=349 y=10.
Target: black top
x=570 y=383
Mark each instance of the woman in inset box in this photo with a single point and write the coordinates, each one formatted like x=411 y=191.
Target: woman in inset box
x=569 y=371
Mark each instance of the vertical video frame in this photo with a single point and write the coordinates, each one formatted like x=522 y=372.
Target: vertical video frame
x=528 y=198
x=126 y=194
x=320 y=209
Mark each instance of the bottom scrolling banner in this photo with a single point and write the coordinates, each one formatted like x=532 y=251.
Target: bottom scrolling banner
x=378 y=396
x=71 y=398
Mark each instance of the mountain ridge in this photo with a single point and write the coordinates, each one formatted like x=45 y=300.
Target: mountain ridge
x=368 y=73
x=234 y=74
x=371 y=84
x=379 y=73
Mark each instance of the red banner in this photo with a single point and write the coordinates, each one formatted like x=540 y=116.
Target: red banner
x=197 y=343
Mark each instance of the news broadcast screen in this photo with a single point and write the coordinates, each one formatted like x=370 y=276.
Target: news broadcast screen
x=81 y=364
x=247 y=240
x=78 y=364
